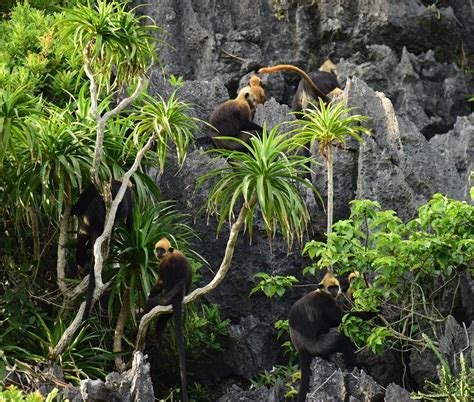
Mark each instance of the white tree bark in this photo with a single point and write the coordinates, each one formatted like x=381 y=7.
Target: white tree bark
x=98 y=255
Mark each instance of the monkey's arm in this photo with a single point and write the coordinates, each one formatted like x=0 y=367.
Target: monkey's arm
x=251 y=126
x=158 y=296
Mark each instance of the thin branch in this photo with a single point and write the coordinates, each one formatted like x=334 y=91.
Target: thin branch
x=61 y=261
x=216 y=281
x=233 y=56
x=102 y=121
x=93 y=84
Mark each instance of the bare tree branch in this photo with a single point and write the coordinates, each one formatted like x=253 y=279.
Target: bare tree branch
x=61 y=262
x=102 y=121
x=216 y=281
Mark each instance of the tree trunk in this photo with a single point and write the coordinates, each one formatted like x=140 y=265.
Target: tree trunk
x=330 y=189
x=119 y=329
x=35 y=234
x=98 y=256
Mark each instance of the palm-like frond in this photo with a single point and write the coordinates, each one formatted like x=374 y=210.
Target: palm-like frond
x=16 y=105
x=52 y=162
x=111 y=37
x=269 y=172
x=170 y=120
x=328 y=124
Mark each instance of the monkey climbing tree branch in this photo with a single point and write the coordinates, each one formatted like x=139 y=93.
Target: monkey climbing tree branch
x=216 y=281
x=99 y=252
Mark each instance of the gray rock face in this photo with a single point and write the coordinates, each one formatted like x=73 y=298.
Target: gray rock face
x=429 y=93
x=458 y=145
x=404 y=50
x=328 y=383
x=396 y=166
x=133 y=385
x=455 y=340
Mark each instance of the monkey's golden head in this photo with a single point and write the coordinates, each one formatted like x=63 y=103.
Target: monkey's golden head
x=330 y=284
x=329 y=67
x=163 y=248
x=255 y=81
x=246 y=95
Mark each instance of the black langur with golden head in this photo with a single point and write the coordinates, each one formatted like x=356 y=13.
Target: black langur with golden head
x=173 y=283
x=313 y=328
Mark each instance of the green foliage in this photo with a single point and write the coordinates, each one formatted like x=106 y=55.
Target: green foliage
x=32 y=57
x=271 y=377
x=292 y=391
x=450 y=388
x=13 y=394
x=135 y=267
x=271 y=285
x=411 y=264
x=52 y=162
x=328 y=125
x=268 y=173
x=171 y=121
x=283 y=330
x=204 y=329
x=33 y=339
x=176 y=81
x=114 y=42
x=15 y=107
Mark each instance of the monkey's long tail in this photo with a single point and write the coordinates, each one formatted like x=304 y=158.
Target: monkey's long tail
x=90 y=294
x=305 y=363
x=178 y=324
x=309 y=81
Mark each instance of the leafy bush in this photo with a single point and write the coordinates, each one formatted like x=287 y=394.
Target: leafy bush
x=450 y=387
x=271 y=285
x=13 y=394
x=32 y=57
x=409 y=264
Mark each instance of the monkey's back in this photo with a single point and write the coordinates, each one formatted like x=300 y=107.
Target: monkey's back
x=228 y=117
x=173 y=269
x=314 y=314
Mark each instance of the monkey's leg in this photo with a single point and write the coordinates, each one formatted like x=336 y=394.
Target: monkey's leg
x=178 y=324
x=347 y=349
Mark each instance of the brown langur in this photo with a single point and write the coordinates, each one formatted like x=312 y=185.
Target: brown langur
x=255 y=85
x=173 y=283
x=313 y=325
x=233 y=118
x=319 y=84
x=91 y=212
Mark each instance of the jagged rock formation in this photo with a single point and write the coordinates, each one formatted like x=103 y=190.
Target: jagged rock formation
x=403 y=65
x=414 y=51
x=328 y=384
x=133 y=385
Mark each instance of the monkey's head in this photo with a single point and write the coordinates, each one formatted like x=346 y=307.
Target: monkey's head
x=329 y=67
x=163 y=249
x=246 y=95
x=255 y=81
x=330 y=284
